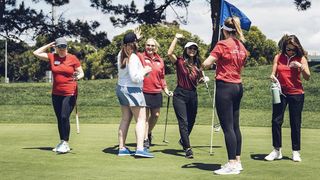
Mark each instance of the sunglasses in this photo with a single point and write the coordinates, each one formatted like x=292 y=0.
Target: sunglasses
x=62 y=46
x=193 y=48
x=289 y=49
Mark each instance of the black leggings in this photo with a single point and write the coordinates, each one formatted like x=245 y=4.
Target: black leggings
x=185 y=104
x=63 y=106
x=228 y=98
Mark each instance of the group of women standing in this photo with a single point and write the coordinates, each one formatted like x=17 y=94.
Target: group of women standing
x=141 y=80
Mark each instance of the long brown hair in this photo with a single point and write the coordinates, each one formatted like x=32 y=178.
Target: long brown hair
x=294 y=41
x=125 y=53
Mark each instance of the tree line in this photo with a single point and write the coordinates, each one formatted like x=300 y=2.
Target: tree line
x=96 y=52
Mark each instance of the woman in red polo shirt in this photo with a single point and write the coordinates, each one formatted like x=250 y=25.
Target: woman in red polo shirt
x=287 y=69
x=153 y=84
x=229 y=56
x=185 y=97
x=66 y=70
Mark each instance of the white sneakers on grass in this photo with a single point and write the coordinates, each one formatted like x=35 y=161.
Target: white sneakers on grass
x=229 y=168
x=296 y=156
x=62 y=147
x=276 y=154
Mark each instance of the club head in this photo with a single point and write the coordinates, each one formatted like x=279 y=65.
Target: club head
x=165 y=141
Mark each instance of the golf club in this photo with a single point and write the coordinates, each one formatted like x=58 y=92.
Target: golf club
x=166 y=122
x=214 y=127
x=77 y=120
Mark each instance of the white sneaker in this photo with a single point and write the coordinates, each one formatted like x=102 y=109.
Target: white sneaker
x=275 y=154
x=227 y=169
x=296 y=156
x=55 y=149
x=63 y=148
x=238 y=166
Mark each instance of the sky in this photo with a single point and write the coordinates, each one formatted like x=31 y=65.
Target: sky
x=273 y=17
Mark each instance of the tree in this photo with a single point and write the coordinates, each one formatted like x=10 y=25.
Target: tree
x=153 y=13
x=25 y=21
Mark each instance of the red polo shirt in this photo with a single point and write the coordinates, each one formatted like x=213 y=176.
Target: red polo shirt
x=230 y=55
x=63 y=69
x=289 y=78
x=186 y=79
x=154 y=82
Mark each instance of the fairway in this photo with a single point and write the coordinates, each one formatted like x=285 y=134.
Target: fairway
x=26 y=154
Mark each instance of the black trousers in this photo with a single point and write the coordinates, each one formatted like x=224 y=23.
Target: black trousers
x=63 y=106
x=295 y=110
x=185 y=104
x=228 y=98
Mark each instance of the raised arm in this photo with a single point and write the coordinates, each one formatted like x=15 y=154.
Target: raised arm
x=172 y=57
x=41 y=52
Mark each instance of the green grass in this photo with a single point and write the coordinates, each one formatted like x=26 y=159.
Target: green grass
x=25 y=154
x=31 y=102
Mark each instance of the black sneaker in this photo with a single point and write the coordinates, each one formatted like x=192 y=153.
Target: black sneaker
x=146 y=143
x=189 y=153
x=150 y=138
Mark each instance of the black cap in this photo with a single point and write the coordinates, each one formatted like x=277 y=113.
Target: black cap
x=129 y=38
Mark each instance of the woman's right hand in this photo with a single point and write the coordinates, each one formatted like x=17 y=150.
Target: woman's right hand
x=179 y=36
x=273 y=78
x=147 y=69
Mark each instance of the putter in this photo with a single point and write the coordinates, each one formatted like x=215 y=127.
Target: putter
x=166 y=122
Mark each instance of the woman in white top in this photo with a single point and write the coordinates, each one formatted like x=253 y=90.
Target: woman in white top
x=129 y=92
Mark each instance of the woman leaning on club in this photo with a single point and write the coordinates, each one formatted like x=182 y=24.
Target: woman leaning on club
x=185 y=97
x=229 y=55
x=287 y=67
x=153 y=84
x=66 y=70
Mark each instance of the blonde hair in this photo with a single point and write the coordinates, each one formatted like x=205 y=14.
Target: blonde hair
x=234 y=23
x=157 y=46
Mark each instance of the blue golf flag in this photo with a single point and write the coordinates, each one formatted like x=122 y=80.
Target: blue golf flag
x=229 y=10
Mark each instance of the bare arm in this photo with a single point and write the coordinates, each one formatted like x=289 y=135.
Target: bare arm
x=208 y=62
x=79 y=73
x=274 y=67
x=172 y=57
x=41 y=52
x=303 y=67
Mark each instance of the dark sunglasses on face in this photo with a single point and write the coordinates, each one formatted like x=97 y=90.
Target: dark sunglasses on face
x=289 y=49
x=62 y=46
x=193 y=48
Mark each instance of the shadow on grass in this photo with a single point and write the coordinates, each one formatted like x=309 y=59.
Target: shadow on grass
x=40 y=148
x=203 y=166
x=260 y=157
x=111 y=150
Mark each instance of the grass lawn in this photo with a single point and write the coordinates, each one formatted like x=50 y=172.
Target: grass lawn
x=26 y=154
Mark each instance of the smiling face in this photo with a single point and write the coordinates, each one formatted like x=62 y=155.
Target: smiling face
x=61 y=50
x=192 y=50
x=151 y=47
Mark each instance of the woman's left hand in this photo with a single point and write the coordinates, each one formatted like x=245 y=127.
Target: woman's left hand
x=295 y=64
